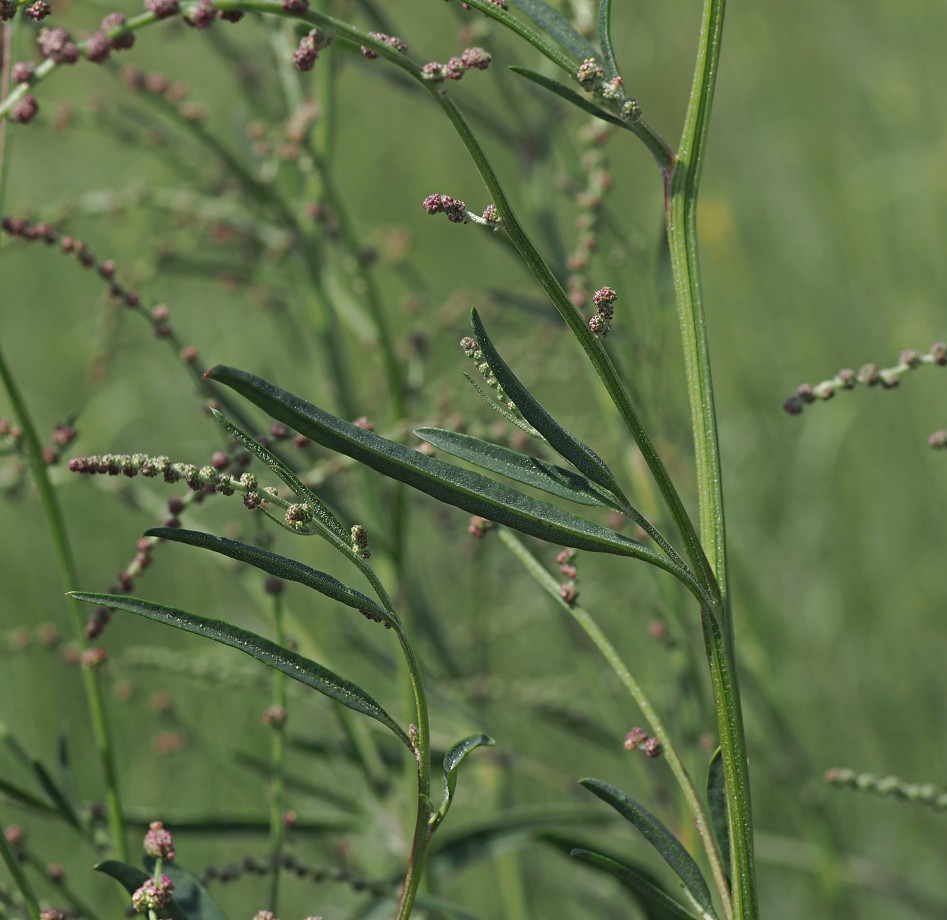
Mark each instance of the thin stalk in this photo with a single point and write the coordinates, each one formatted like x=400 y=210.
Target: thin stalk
x=70 y=579
x=19 y=877
x=277 y=762
x=615 y=662
x=682 y=182
x=63 y=550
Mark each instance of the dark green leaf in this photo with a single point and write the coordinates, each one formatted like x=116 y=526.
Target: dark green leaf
x=570 y=95
x=290 y=663
x=189 y=894
x=658 y=836
x=132 y=878
x=452 y=761
x=581 y=457
x=530 y=471
x=299 y=489
x=656 y=902
x=280 y=566
x=717 y=805
x=609 y=64
x=464 y=489
x=554 y=24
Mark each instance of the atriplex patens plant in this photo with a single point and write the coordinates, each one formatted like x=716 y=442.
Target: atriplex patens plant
x=696 y=557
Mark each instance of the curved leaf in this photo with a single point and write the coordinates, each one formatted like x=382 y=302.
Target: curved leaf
x=570 y=95
x=280 y=566
x=661 y=904
x=581 y=457
x=290 y=663
x=464 y=489
x=452 y=761
x=659 y=837
x=717 y=806
x=132 y=878
x=530 y=471
x=298 y=487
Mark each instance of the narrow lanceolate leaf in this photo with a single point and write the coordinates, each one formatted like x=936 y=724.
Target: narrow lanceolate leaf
x=189 y=894
x=280 y=566
x=659 y=837
x=570 y=95
x=609 y=64
x=717 y=805
x=530 y=471
x=464 y=489
x=554 y=24
x=452 y=761
x=656 y=902
x=289 y=478
x=581 y=457
x=290 y=663
x=132 y=878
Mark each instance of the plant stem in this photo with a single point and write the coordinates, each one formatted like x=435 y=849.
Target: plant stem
x=682 y=183
x=70 y=578
x=609 y=653
x=278 y=762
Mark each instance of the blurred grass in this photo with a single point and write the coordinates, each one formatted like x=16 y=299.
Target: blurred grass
x=824 y=232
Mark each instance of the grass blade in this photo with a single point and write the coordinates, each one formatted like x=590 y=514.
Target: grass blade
x=289 y=663
x=279 y=566
x=659 y=837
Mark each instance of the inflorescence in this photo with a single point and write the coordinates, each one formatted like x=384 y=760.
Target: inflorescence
x=871 y=375
x=456 y=67
x=591 y=77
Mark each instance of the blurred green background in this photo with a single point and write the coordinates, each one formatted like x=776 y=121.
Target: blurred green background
x=824 y=225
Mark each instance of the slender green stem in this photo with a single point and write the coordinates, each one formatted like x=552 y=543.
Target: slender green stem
x=615 y=662
x=19 y=877
x=277 y=762
x=70 y=578
x=682 y=184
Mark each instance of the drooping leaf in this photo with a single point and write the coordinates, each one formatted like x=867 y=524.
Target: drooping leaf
x=452 y=761
x=189 y=894
x=304 y=670
x=570 y=95
x=583 y=458
x=673 y=851
x=131 y=879
x=273 y=564
x=530 y=471
x=464 y=489
x=289 y=478
x=554 y=24
x=657 y=903
x=609 y=64
x=717 y=806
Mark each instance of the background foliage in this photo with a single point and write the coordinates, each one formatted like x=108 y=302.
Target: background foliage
x=823 y=229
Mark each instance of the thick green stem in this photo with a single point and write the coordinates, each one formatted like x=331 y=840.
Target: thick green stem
x=682 y=184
